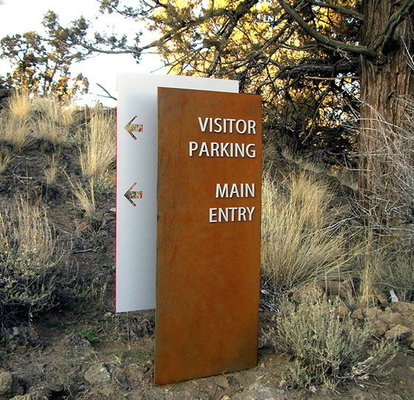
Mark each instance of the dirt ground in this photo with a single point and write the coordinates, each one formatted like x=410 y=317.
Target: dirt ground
x=110 y=356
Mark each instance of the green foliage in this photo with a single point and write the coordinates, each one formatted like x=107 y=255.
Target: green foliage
x=90 y=333
x=42 y=65
x=327 y=346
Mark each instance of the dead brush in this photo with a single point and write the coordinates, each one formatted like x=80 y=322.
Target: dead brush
x=385 y=206
x=302 y=236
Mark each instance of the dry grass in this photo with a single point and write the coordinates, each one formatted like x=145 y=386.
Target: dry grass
x=98 y=145
x=15 y=131
x=390 y=269
x=52 y=120
x=29 y=254
x=19 y=105
x=52 y=170
x=301 y=235
x=14 y=121
x=85 y=195
x=390 y=179
x=6 y=156
x=26 y=118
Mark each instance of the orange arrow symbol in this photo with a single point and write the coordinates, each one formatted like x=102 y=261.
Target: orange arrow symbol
x=131 y=127
x=131 y=194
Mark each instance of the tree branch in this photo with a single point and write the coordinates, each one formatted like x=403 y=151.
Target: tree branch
x=323 y=71
x=340 y=9
x=394 y=21
x=242 y=9
x=325 y=41
x=108 y=95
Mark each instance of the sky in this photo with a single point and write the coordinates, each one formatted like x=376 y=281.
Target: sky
x=19 y=16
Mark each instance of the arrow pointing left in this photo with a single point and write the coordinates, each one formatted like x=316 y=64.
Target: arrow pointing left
x=132 y=127
x=131 y=194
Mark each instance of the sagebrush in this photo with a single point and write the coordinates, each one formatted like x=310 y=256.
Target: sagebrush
x=30 y=257
x=326 y=345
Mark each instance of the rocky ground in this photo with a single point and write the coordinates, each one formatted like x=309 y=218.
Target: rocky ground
x=109 y=356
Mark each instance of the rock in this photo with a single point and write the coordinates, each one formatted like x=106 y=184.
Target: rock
x=258 y=391
x=97 y=374
x=398 y=333
x=6 y=385
x=342 y=312
x=310 y=292
x=391 y=318
x=406 y=309
x=9 y=385
x=372 y=314
x=379 y=328
x=221 y=381
x=341 y=289
x=23 y=336
x=77 y=345
x=358 y=314
x=366 y=313
x=381 y=298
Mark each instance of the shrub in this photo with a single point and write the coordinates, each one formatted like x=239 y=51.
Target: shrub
x=29 y=258
x=326 y=345
x=301 y=235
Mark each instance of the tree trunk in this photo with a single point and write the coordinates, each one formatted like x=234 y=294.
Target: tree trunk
x=384 y=81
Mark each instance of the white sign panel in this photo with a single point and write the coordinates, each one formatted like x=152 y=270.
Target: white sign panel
x=136 y=205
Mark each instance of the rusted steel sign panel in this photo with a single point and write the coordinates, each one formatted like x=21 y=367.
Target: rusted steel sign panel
x=208 y=239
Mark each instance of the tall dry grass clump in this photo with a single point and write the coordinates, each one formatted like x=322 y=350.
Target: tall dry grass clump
x=15 y=121
x=52 y=120
x=98 y=144
x=29 y=256
x=84 y=194
x=302 y=235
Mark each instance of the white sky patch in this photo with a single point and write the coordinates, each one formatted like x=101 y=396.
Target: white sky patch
x=19 y=16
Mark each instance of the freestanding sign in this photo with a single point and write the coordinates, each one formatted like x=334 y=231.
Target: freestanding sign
x=208 y=248
x=136 y=206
